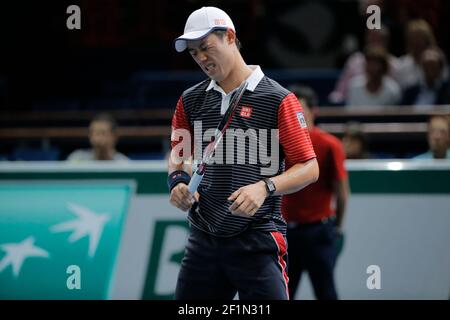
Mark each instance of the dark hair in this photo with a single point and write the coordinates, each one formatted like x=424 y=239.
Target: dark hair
x=106 y=117
x=306 y=93
x=422 y=26
x=222 y=32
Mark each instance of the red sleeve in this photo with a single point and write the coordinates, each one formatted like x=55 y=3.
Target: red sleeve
x=338 y=154
x=294 y=135
x=180 y=121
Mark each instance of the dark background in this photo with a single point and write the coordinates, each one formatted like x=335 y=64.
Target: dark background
x=45 y=65
x=123 y=56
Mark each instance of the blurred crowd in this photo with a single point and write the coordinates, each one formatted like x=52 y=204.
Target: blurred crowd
x=375 y=77
x=403 y=63
x=103 y=138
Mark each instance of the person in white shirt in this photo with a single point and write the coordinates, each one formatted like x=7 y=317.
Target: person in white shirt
x=433 y=87
x=103 y=138
x=419 y=37
x=355 y=64
x=375 y=87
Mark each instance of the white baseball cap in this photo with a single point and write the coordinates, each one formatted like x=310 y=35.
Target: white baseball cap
x=200 y=23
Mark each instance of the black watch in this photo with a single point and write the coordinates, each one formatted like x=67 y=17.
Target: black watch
x=270 y=186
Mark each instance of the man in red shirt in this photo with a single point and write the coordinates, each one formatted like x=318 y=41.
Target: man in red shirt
x=314 y=226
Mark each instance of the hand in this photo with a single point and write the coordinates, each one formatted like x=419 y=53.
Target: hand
x=181 y=198
x=248 y=199
x=339 y=240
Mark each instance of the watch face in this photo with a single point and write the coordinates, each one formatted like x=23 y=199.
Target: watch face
x=270 y=186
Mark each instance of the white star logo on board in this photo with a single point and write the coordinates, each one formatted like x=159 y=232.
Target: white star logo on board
x=16 y=253
x=88 y=223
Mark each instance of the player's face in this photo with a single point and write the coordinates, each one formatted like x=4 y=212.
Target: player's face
x=213 y=54
x=438 y=135
x=101 y=135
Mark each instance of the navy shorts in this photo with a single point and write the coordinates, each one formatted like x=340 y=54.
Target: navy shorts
x=252 y=264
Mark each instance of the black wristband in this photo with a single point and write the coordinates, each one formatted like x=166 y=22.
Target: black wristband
x=176 y=177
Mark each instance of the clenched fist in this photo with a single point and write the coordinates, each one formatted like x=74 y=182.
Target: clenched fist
x=248 y=199
x=181 y=198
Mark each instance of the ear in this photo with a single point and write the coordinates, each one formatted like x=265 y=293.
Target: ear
x=231 y=36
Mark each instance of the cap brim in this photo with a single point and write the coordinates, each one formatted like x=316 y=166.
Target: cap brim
x=181 y=44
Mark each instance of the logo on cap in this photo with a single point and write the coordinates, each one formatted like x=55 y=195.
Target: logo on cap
x=219 y=22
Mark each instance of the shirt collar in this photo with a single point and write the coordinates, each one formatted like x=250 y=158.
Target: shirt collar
x=253 y=80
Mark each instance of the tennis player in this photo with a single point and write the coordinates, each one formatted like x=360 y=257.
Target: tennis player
x=237 y=240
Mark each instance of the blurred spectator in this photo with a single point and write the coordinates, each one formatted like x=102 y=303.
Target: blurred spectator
x=433 y=86
x=375 y=87
x=355 y=142
x=419 y=37
x=399 y=13
x=103 y=138
x=315 y=214
x=438 y=139
x=355 y=64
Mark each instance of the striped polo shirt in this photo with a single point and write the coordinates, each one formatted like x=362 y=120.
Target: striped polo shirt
x=267 y=114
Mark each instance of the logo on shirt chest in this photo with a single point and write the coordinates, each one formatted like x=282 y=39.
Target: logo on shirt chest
x=246 y=112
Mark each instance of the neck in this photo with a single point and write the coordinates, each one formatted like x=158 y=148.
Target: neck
x=239 y=72
x=416 y=56
x=373 y=84
x=440 y=154
x=430 y=83
x=104 y=154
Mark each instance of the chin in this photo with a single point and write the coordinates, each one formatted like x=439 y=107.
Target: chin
x=215 y=77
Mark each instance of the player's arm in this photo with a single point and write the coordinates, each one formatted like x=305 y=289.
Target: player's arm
x=341 y=191
x=296 y=144
x=341 y=184
x=341 y=195
x=296 y=178
x=174 y=163
x=180 y=196
x=248 y=199
x=180 y=160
